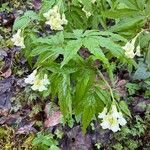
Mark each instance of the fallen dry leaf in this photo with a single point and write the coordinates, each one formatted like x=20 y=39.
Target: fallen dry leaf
x=53 y=119
x=120 y=87
x=26 y=129
x=6 y=74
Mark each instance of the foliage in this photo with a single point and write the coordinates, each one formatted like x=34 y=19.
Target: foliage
x=74 y=77
x=45 y=142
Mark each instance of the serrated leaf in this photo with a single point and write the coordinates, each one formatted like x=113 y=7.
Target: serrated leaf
x=86 y=79
x=127 y=23
x=99 y=93
x=56 y=68
x=92 y=105
x=130 y=3
x=46 y=56
x=124 y=108
x=87 y=116
x=20 y=23
x=23 y=21
x=70 y=51
x=93 y=46
x=115 y=49
x=39 y=50
x=120 y=13
x=64 y=95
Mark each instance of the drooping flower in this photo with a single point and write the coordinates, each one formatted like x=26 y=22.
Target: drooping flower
x=55 y=19
x=130 y=48
x=93 y=1
x=103 y=113
x=112 y=119
x=31 y=78
x=38 y=83
x=87 y=13
x=121 y=119
x=111 y=123
x=18 y=40
x=138 y=52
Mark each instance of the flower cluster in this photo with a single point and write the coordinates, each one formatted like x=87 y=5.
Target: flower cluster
x=37 y=83
x=55 y=19
x=87 y=13
x=112 y=119
x=93 y=1
x=130 y=50
x=18 y=40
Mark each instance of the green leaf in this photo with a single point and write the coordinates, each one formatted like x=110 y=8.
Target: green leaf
x=124 y=108
x=54 y=147
x=39 y=50
x=92 y=106
x=64 y=95
x=130 y=3
x=56 y=68
x=120 y=13
x=100 y=94
x=76 y=18
x=115 y=49
x=88 y=114
x=93 y=46
x=127 y=23
x=70 y=51
x=44 y=57
x=23 y=21
x=141 y=73
x=86 y=78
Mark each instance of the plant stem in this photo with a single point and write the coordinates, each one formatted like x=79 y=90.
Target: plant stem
x=110 y=89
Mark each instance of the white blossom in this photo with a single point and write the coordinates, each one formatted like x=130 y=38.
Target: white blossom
x=17 y=39
x=138 y=51
x=121 y=119
x=87 y=13
x=55 y=19
x=112 y=120
x=130 y=48
x=111 y=123
x=38 y=83
x=31 y=78
x=103 y=113
x=93 y=1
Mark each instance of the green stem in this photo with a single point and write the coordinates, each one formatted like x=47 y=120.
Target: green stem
x=147 y=52
x=110 y=89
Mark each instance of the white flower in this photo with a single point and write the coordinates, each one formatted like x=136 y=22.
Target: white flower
x=45 y=80
x=112 y=119
x=103 y=113
x=114 y=111
x=54 y=19
x=18 y=40
x=31 y=78
x=52 y=12
x=64 y=20
x=93 y=1
x=138 y=52
x=130 y=47
x=121 y=120
x=88 y=14
x=111 y=123
x=38 y=83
